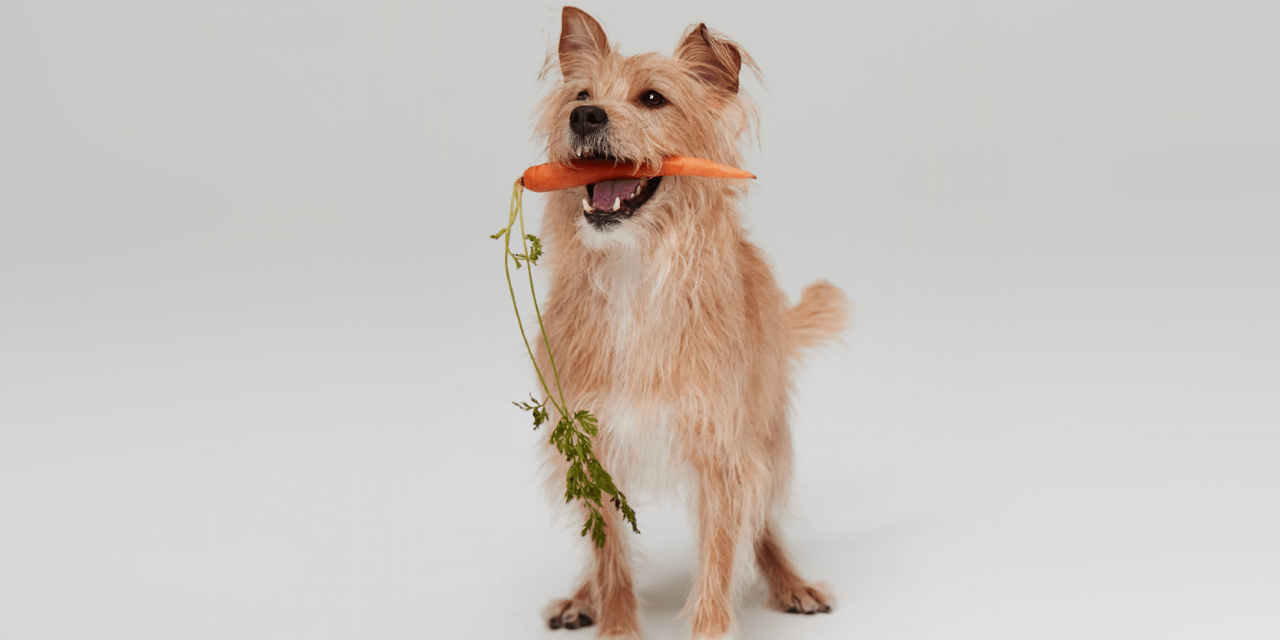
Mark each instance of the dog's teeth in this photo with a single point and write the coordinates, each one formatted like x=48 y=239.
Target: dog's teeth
x=617 y=203
x=578 y=151
x=586 y=208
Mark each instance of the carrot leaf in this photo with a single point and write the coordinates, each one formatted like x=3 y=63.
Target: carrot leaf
x=585 y=478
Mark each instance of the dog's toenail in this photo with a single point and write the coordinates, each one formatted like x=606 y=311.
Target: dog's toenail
x=793 y=609
x=826 y=608
x=810 y=612
x=571 y=624
x=585 y=620
x=555 y=622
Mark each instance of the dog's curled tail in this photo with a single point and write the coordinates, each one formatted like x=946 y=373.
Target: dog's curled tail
x=823 y=312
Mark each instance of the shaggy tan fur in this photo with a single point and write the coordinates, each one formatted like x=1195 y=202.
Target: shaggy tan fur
x=669 y=325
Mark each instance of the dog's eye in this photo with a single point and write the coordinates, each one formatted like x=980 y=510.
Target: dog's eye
x=652 y=98
x=583 y=95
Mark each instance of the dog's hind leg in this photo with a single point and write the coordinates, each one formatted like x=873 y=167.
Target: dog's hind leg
x=607 y=596
x=788 y=592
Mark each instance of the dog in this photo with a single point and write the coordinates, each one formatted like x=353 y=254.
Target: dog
x=667 y=322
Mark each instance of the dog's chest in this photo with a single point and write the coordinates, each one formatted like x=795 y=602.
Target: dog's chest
x=642 y=426
x=644 y=453
x=636 y=314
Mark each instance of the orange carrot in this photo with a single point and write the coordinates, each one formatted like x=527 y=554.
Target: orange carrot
x=554 y=176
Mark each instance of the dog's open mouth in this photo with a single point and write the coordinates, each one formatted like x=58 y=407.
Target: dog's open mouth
x=609 y=202
x=612 y=201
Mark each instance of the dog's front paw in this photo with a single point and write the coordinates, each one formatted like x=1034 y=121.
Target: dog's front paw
x=802 y=597
x=568 y=613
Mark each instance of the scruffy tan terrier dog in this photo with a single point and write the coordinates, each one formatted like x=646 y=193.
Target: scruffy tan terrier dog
x=667 y=323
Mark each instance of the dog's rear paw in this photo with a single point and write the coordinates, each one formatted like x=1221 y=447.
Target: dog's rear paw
x=568 y=613
x=802 y=597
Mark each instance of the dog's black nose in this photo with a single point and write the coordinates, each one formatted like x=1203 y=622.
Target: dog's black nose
x=586 y=120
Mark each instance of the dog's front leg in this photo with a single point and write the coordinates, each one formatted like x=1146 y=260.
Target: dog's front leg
x=720 y=510
x=607 y=596
x=615 y=596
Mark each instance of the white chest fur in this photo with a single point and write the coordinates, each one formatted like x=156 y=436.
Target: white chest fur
x=644 y=455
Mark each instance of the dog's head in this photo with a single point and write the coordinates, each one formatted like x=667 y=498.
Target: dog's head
x=640 y=109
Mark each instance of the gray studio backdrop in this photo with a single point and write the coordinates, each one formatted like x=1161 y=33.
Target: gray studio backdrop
x=256 y=353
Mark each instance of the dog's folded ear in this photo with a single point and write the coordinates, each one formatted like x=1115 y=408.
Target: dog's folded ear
x=582 y=41
x=716 y=61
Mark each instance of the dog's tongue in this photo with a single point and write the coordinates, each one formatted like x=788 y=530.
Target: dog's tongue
x=608 y=190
